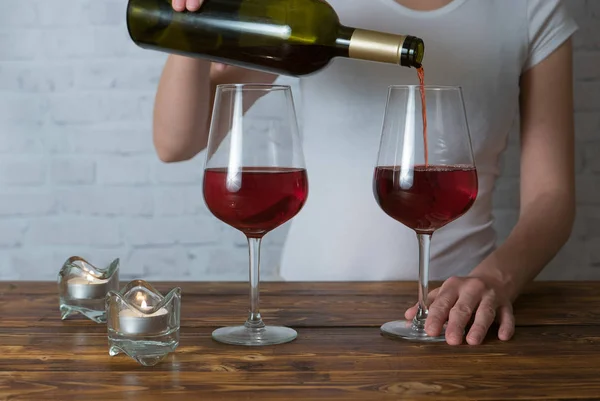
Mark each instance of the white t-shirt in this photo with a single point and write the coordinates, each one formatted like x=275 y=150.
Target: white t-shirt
x=483 y=46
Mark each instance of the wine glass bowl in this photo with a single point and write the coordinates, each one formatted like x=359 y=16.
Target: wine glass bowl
x=254 y=180
x=425 y=176
x=267 y=197
x=438 y=195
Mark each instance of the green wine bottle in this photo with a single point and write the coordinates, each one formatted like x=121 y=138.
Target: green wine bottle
x=288 y=37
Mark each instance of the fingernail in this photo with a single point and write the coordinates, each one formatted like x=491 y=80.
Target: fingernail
x=474 y=340
x=193 y=5
x=178 y=5
x=221 y=67
x=456 y=340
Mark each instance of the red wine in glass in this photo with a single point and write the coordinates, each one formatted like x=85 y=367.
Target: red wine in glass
x=256 y=200
x=429 y=197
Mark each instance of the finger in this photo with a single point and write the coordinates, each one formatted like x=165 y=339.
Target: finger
x=220 y=67
x=412 y=311
x=178 y=5
x=439 y=310
x=506 y=318
x=459 y=316
x=484 y=317
x=193 y=5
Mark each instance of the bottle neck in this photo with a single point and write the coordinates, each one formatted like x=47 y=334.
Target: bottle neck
x=342 y=43
x=382 y=47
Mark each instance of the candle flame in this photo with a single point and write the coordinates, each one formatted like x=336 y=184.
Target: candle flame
x=141 y=298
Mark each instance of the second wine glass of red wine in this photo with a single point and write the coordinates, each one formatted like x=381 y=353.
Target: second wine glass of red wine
x=254 y=180
x=425 y=176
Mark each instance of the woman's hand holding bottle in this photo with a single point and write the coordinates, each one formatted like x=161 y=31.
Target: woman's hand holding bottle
x=190 y=5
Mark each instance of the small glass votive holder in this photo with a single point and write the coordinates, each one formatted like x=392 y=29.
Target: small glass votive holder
x=83 y=287
x=142 y=323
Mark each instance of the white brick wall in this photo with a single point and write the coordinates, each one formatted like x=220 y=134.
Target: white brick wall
x=78 y=173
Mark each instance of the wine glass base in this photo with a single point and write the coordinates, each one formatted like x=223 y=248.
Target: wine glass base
x=242 y=335
x=404 y=329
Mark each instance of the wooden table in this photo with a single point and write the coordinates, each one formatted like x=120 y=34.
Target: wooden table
x=339 y=353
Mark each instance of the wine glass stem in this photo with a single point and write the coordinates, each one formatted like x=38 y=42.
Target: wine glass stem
x=421 y=316
x=254 y=318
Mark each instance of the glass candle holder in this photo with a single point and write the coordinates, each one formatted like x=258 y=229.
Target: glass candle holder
x=83 y=287
x=142 y=323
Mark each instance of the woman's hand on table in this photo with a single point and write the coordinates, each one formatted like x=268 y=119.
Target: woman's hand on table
x=461 y=299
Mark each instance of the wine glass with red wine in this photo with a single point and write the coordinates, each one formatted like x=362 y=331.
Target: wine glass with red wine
x=254 y=180
x=425 y=176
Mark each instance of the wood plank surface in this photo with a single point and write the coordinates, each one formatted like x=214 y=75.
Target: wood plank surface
x=555 y=354
x=332 y=363
x=314 y=304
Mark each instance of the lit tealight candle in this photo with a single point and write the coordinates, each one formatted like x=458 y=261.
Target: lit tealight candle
x=88 y=287
x=132 y=321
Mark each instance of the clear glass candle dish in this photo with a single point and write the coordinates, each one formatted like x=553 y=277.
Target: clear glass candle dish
x=142 y=323
x=83 y=287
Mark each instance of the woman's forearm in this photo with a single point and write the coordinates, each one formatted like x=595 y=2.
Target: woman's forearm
x=547 y=189
x=182 y=108
x=184 y=103
x=543 y=228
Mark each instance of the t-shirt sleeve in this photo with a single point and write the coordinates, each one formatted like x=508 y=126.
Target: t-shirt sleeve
x=549 y=26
